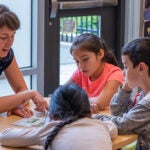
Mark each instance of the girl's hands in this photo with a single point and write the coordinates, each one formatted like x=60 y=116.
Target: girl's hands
x=94 y=108
x=94 y=105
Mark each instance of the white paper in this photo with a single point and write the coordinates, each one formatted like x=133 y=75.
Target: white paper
x=33 y=121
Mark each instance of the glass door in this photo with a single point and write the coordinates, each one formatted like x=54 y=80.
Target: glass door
x=68 y=19
x=70 y=27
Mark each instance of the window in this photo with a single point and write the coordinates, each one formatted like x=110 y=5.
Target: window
x=70 y=27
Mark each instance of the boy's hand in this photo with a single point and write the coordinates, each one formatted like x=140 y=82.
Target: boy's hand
x=126 y=88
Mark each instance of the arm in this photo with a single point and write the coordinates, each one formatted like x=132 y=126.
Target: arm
x=15 y=78
x=23 y=137
x=129 y=120
x=11 y=101
x=111 y=127
x=135 y=121
x=17 y=83
x=13 y=72
x=113 y=131
x=121 y=101
x=105 y=97
x=20 y=137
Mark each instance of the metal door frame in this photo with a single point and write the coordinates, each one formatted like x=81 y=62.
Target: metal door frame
x=49 y=77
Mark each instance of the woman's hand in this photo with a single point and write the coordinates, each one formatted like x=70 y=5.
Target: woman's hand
x=40 y=102
x=23 y=98
x=21 y=111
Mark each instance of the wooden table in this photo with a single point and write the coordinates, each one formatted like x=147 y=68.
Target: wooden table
x=119 y=142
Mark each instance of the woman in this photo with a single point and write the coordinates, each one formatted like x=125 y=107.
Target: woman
x=9 y=23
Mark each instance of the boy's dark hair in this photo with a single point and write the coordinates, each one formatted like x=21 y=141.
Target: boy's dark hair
x=138 y=51
x=68 y=103
x=93 y=43
x=8 y=18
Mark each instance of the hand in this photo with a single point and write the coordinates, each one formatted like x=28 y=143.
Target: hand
x=94 y=108
x=126 y=88
x=21 y=111
x=40 y=102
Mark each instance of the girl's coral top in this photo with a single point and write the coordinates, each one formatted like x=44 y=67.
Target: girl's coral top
x=94 y=88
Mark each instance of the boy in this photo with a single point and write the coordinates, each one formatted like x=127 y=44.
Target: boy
x=128 y=115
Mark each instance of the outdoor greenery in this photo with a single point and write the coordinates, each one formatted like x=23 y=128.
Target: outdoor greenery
x=73 y=26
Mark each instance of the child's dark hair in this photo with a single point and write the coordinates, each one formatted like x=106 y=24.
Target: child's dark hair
x=93 y=43
x=68 y=103
x=138 y=51
x=8 y=18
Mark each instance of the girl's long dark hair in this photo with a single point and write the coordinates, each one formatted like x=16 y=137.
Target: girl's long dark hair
x=93 y=43
x=69 y=103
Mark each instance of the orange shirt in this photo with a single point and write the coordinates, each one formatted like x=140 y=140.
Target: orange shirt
x=94 y=88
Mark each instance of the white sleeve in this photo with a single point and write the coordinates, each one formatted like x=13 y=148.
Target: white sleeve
x=19 y=137
x=112 y=129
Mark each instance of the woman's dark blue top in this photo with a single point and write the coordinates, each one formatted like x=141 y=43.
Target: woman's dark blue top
x=6 y=61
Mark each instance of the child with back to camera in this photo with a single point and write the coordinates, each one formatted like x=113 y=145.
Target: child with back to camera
x=98 y=72
x=133 y=116
x=71 y=126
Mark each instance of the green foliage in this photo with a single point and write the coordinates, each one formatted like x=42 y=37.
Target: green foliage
x=84 y=23
x=131 y=146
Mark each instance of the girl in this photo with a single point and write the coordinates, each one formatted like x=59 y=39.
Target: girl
x=71 y=127
x=97 y=71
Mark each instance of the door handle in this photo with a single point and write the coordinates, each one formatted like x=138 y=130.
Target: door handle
x=79 y=5
x=87 y=4
x=54 y=7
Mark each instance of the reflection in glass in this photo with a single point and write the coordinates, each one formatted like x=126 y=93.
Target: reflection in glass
x=5 y=88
